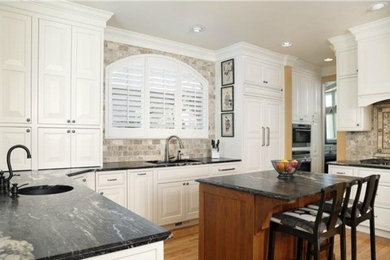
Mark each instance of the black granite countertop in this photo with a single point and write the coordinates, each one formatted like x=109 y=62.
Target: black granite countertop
x=267 y=183
x=144 y=164
x=72 y=225
x=360 y=164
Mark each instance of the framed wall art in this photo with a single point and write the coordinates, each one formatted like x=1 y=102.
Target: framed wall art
x=227 y=72
x=227 y=125
x=227 y=99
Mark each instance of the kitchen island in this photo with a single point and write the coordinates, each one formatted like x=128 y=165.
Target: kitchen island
x=73 y=225
x=235 y=212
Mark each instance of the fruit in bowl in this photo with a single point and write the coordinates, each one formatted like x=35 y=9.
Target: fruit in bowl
x=286 y=168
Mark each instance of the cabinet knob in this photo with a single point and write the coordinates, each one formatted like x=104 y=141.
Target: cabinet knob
x=68 y=121
x=101 y=193
x=84 y=180
x=264 y=81
x=301 y=118
x=68 y=131
x=73 y=121
x=73 y=131
x=28 y=120
x=28 y=130
x=357 y=124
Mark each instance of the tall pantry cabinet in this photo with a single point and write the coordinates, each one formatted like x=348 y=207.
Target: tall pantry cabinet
x=258 y=106
x=51 y=84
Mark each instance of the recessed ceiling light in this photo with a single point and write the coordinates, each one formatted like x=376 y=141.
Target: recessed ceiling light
x=198 y=28
x=286 y=44
x=328 y=59
x=377 y=6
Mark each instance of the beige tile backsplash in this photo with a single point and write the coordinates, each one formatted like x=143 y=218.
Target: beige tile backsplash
x=115 y=150
x=364 y=145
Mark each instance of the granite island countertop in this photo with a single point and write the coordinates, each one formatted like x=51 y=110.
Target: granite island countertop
x=71 y=225
x=266 y=183
x=359 y=164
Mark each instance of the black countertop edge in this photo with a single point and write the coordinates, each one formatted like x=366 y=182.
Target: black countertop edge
x=112 y=248
x=359 y=164
x=134 y=165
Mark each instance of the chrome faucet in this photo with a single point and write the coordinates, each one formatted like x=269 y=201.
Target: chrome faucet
x=167 y=157
x=11 y=172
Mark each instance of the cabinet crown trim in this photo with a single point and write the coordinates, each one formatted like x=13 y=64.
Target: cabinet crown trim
x=368 y=30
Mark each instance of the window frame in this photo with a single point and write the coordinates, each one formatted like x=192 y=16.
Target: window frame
x=145 y=132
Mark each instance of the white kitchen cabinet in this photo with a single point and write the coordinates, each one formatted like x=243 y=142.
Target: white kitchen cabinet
x=65 y=147
x=54 y=72
x=112 y=185
x=351 y=117
x=85 y=147
x=171 y=202
x=347 y=65
x=341 y=170
x=86 y=70
x=219 y=169
x=315 y=147
x=263 y=74
x=192 y=200
x=54 y=148
x=10 y=136
x=88 y=179
x=140 y=192
x=263 y=132
x=15 y=68
x=153 y=251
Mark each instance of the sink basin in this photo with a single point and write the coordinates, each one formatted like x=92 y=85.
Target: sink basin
x=176 y=163
x=45 y=189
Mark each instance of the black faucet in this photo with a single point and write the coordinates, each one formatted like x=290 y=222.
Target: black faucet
x=11 y=172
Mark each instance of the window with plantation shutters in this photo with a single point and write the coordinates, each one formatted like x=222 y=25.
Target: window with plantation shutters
x=154 y=96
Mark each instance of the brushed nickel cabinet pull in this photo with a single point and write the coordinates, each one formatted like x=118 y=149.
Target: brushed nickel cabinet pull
x=226 y=169
x=140 y=174
x=340 y=172
x=112 y=179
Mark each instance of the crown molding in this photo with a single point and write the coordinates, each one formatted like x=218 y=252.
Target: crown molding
x=343 y=42
x=63 y=10
x=372 y=29
x=301 y=65
x=146 y=41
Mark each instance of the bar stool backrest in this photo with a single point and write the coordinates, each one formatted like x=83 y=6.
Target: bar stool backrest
x=371 y=182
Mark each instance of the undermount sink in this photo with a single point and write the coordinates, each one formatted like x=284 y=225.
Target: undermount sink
x=176 y=163
x=45 y=189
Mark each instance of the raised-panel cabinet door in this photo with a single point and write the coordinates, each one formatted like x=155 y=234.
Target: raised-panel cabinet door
x=347 y=64
x=86 y=147
x=10 y=136
x=86 y=71
x=15 y=68
x=53 y=148
x=54 y=73
x=140 y=193
x=304 y=97
x=171 y=200
x=272 y=76
x=254 y=134
x=253 y=71
x=117 y=194
x=192 y=200
x=88 y=179
x=348 y=112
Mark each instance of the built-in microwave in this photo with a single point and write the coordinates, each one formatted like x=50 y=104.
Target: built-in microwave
x=301 y=135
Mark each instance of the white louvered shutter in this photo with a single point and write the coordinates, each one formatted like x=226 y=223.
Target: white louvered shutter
x=193 y=97
x=127 y=91
x=162 y=93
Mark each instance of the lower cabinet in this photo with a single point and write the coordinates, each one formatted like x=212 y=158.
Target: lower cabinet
x=64 y=147
x=171 y=202
x=382 y=204
x=112 y=184
x=154 y=251
x=140 y=193
x=10 y=136
x=88 y=179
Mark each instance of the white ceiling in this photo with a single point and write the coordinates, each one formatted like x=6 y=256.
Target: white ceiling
x=267 y=24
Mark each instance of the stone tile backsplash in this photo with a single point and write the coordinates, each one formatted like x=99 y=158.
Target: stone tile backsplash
x=115 y=150
x=363 y=145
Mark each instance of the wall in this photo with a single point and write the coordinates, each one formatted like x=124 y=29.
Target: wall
x=115 y=150
x=363 y=145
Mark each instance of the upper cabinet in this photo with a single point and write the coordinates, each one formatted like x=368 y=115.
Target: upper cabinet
x=69 y=74
x=350 y=117
x=15 y=68
x=373 y=44
x=263 y=74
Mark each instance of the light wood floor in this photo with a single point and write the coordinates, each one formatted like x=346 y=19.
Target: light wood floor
x=184 y=246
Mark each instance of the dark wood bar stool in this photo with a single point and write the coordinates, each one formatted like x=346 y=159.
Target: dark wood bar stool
x=363 y=210
x=315 y=226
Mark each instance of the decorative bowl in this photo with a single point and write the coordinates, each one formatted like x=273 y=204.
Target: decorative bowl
x=286 y=168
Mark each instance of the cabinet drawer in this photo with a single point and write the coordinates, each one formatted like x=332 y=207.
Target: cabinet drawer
x=385 y=174
x=112 y=178
x=182 y=173
x=341 y=170
x=222 y=169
